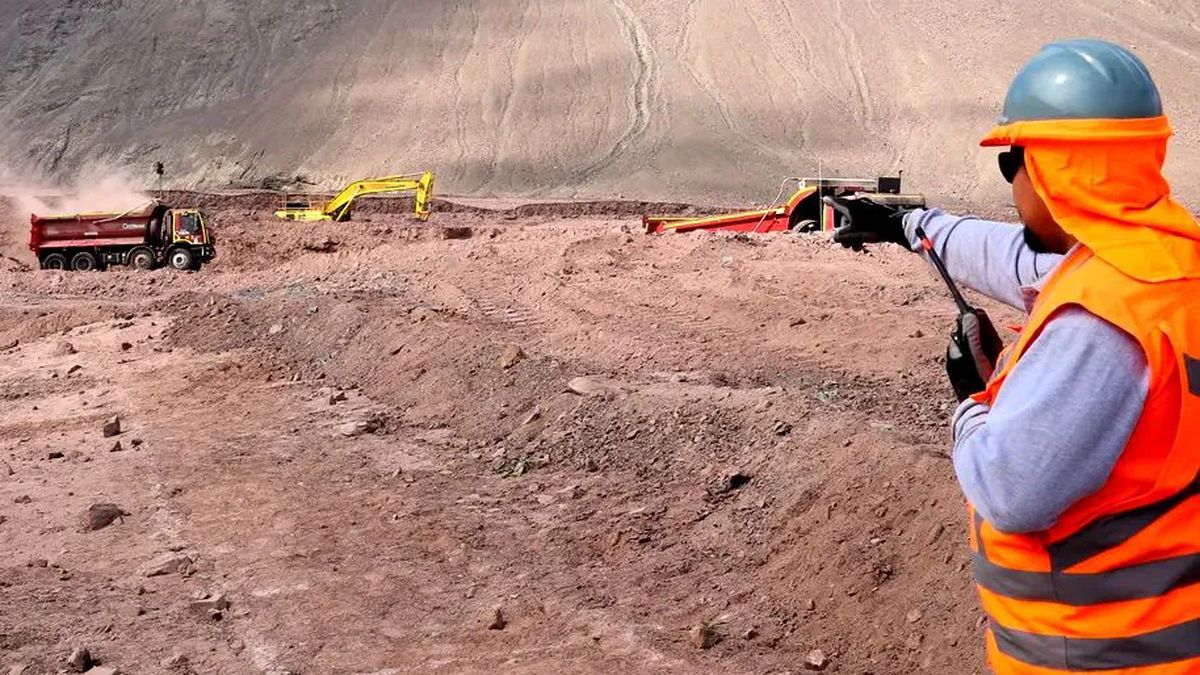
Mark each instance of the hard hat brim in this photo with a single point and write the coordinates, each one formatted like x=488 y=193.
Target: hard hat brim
x=1078 y=131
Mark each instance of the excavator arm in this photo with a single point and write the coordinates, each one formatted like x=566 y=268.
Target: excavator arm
x=339 y=208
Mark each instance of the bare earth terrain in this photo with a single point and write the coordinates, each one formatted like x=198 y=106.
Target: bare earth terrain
x=756 y=448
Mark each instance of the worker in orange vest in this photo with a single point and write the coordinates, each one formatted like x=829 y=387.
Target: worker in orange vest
x=1078 y=447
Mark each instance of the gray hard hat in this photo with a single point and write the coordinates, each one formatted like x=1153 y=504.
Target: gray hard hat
x=1082 y=79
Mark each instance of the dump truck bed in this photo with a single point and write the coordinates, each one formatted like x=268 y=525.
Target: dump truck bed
x=92 y=229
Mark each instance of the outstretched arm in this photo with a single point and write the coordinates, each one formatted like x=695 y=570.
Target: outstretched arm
x=984 y=255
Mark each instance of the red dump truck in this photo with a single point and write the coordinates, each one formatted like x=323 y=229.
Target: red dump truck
x=142 y=238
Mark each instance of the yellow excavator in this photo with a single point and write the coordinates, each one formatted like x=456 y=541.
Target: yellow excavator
x=339 y=208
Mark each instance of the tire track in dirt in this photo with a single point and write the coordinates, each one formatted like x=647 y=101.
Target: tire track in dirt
x=781 y=62
x=685 y=46
x=460 y=133
x=1149 y=35
x=646 y=85
x=853 y=60
x=709 y=89
x=507 y=313
x=506 y=102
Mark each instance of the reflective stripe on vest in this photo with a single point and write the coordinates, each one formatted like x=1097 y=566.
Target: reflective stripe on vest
x=1135 y=582
x=1176 y=643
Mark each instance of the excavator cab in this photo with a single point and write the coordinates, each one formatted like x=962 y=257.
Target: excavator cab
x=341 y=207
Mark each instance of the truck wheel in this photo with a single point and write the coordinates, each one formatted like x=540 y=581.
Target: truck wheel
x=807 y=226
x=142 y=259
x=54 y=261
x=83 y=262
x=180 y=259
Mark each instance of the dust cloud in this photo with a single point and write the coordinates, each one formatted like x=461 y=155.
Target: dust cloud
x=96 y=187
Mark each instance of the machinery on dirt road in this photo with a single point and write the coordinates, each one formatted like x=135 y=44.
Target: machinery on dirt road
x=340 y=207
x=804 y=211
x=143 y=238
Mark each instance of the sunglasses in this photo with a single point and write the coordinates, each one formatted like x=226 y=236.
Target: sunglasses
x=1011 y=162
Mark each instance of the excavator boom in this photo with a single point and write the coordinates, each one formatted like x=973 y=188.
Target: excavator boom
x=340 y=207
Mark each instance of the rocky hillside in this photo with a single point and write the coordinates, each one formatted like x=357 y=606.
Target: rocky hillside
x=704 y=100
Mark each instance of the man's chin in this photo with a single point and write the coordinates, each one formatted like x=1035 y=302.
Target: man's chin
x=1035 y=244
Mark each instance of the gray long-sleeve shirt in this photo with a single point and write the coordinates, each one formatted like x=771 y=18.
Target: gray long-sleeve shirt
x=1039 y=449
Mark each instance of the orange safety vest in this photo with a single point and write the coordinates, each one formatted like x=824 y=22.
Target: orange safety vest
x=1114 y=586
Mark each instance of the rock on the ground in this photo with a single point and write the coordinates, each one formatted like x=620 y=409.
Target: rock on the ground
x=126 y=346
x=112 y=427
x=100 y=516
x=337 y=397
x=816 y=660
x=572 y=491
x=54 y=454
x=750 y=633
x=206 y=602
x=357 y=427
x=170 y=563
x=176 y=660
x=704 y=635
x=64 y=349
x=5 y=469
x=80 y=659
x=914 y=616
x=512 y=356
x=137 y=442
x=11 y=344
x=590 y=386
x=116 y=447
x=498 y=621
x=23 y=499
x=275 y=329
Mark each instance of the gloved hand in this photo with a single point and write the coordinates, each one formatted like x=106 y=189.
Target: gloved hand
x=971 y=356
x=863 y=221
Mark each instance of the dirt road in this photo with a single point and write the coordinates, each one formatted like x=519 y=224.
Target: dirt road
x=607 y=437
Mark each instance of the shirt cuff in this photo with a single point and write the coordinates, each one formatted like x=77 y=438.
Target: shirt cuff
x=969 y=416
x=913 y=219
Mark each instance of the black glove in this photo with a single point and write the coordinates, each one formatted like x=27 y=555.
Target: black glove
x=971 y=356
x=863 y=221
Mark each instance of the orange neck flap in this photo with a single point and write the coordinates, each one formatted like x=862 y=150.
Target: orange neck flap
x=1102 y=181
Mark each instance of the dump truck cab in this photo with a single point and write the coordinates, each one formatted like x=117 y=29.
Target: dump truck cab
x=191 y=242
x=142 y=238
x=188 y=227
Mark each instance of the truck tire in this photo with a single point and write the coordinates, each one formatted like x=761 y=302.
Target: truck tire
x=142 y=259
x=84 y=262
x=54 y=261
x=806 y=226
x=180 y=259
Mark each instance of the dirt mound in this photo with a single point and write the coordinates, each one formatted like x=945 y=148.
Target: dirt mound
x=611 y=437
x=643 y=99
